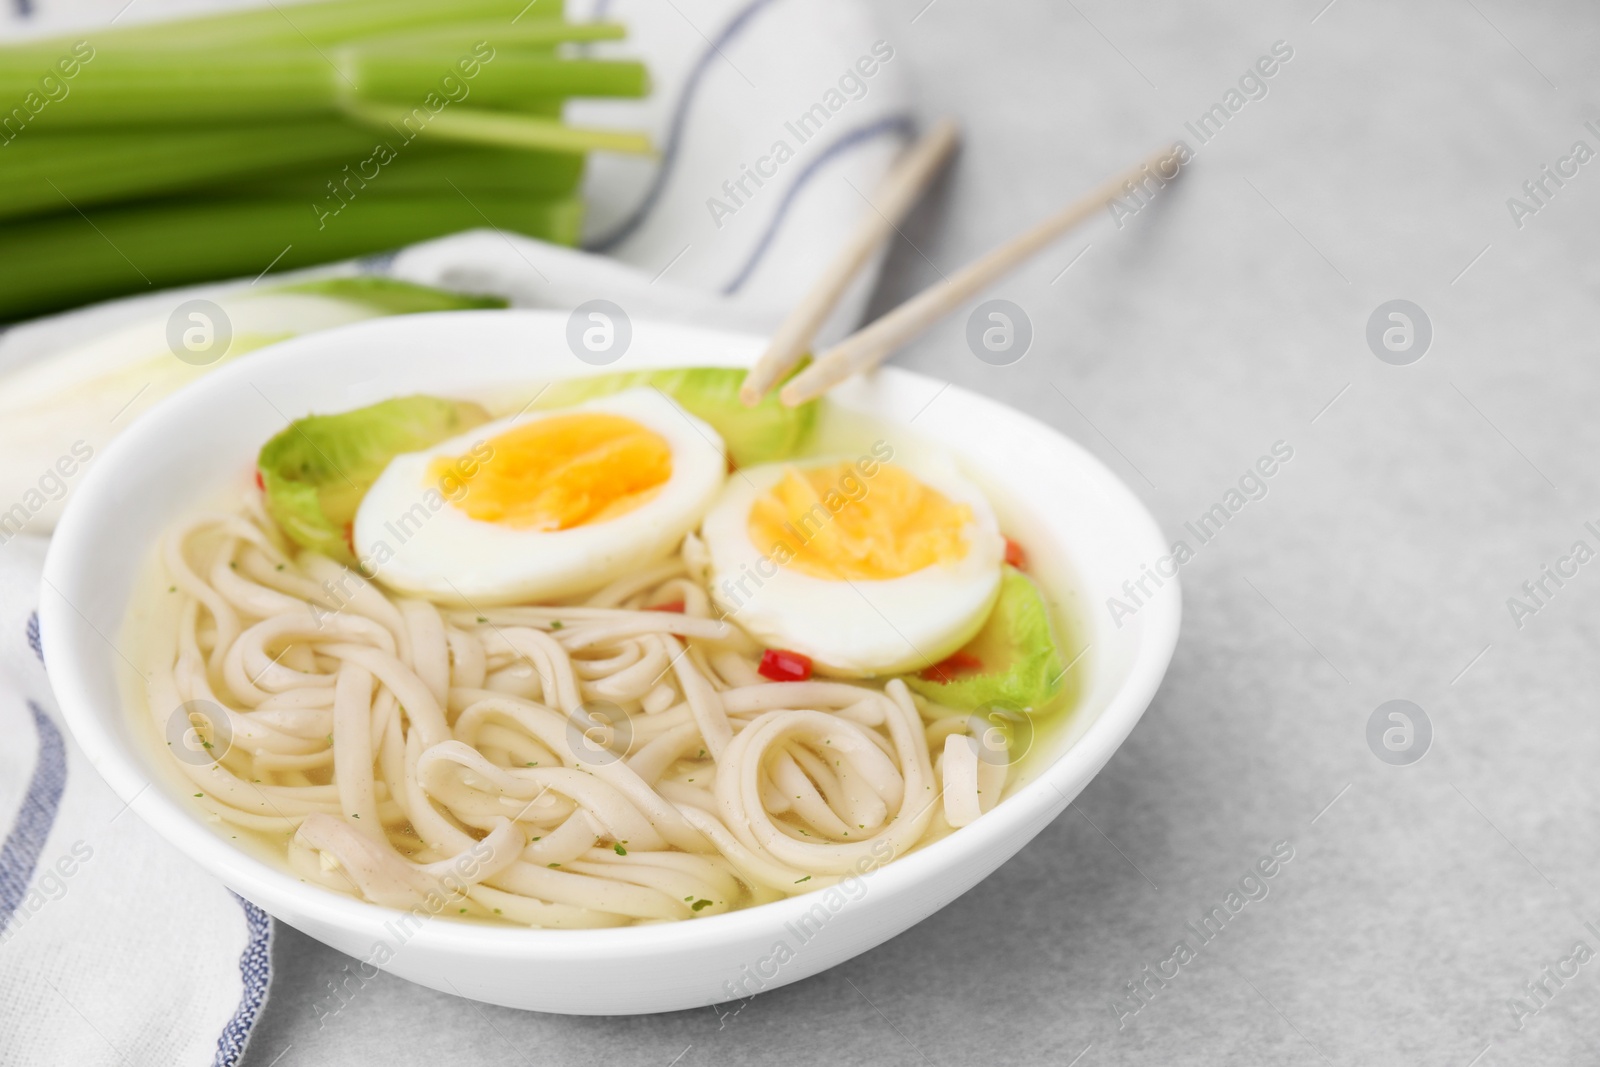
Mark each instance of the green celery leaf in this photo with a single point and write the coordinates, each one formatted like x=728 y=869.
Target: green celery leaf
x=316 y=471
x=762 y=434
x=1021 y=665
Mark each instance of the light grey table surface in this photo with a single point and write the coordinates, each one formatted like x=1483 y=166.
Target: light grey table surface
x=1229 y=315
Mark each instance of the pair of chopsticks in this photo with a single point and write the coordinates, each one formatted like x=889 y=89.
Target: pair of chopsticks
x=871 y=345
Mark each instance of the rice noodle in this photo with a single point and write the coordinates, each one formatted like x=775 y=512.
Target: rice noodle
x=573 y=765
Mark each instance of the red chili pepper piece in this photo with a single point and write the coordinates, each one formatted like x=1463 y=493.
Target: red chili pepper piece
x=260 y=482
x=781 y=665
x=350 y=534
x=671 y=605
x=1016 y=555
x=947 y=669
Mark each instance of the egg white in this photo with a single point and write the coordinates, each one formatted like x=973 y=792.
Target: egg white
x=862 y=627
x=418 y=542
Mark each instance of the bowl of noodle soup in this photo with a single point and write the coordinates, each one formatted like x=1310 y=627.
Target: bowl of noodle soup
x=601 y=802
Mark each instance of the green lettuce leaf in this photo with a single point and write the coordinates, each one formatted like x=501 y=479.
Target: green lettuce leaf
x=762 y=434
x=316 y=471
x=1022 y=667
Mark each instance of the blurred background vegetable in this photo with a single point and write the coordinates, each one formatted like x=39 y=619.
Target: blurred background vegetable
x=298 y=134
x=76 y=401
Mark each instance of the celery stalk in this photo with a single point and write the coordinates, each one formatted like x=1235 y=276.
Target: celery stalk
x=42 y=172
x=426 y=170
x=509 y=130
x=507 y=79
x=119 y=88
x=523 y=35
x=314 y=21
x=169 y=88
x=60 y=261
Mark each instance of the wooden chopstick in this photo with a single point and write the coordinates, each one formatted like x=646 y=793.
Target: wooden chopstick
x=901 y=188
x=872 y=344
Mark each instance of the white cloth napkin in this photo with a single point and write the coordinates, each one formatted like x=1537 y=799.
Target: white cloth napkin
x=113 y=947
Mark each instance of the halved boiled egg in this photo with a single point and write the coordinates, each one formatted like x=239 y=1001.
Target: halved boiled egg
x=542 y=505
x=866 y=567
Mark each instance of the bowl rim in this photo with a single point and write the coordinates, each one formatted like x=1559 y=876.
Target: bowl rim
x=70 y=661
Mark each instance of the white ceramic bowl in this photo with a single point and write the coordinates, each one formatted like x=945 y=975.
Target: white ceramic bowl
x=1079 y=516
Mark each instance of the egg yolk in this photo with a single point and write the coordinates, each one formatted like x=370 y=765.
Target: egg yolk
x=830 y=522
x=558 y=472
